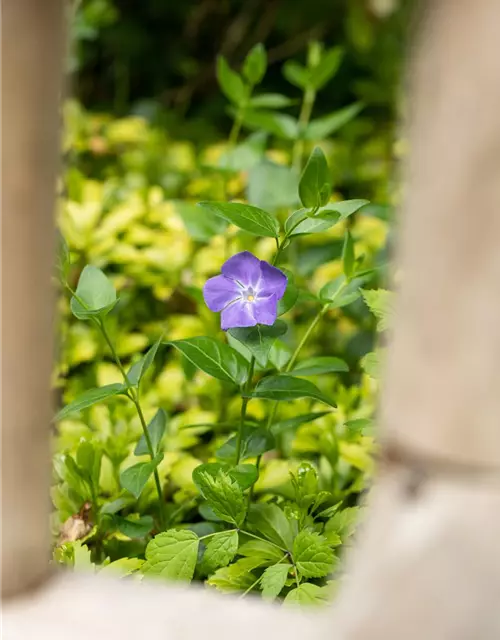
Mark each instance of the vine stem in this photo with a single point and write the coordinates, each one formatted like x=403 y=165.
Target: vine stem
x=244 y=404
x=304 y=117
x=134 y=397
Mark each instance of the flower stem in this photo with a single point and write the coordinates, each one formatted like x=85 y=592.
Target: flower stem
x=134 y=397
x=306 y=337
x=244 y=404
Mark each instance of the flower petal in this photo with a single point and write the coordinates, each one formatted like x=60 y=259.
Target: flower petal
x=266 y=309
x=238 y=314
x=272 y=281
x=220 y=291
x=243 y=267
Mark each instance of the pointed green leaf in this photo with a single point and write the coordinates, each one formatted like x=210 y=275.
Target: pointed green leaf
x=91 y=397
x=259 y=339
x=326 y=69
x=223 y=494
x=156 y=429
x=215 y=358
x=255 y=441
x=134 y=478
x=344 y=208
x=265 y=551
x=220 y=550
x=270 y=101
x=292 y=423
x=322 y=128
x=296 y=74
x=231 y=83
x=251 y=219
x=299 y=223
x=278 y=124
x=319 y=365
x=270 y=521
x=291 y=295
x=315 y=184
x=172 y=555
x=255 y=65
x=236 y=577
x=200 y=226
x=343 y=522
x=307 y=594
x=134 y=528
x=138 y=370
x=273 y=580
x=89 y=457
x=312 y=555
x=96 y=293
x=286 y=388
x=348 y=255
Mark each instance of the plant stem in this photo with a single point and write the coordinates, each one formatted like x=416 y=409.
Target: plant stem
x=304 y=117
x=306 y=337
x=134 y=397
x=235 y=129
x=244 y=404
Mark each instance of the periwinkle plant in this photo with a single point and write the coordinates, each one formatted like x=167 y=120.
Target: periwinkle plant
x=283 y=546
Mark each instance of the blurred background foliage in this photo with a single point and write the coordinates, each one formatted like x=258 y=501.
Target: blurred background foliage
x=146 y=130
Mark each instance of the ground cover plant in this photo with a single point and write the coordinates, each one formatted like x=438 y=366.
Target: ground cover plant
x=218 y=375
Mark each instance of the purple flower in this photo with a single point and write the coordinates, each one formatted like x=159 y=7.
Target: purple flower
x=247 y=292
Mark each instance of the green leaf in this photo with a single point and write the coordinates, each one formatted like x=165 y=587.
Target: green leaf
x=223 y=494
x=348 y=255
x=96 y=292
x=266 y=552
x=122 y=567
x=273 y=580
x=201 y=226
x=300 y=224
x=88 y=458
x=343 y=522
x=156 y=429
x=296 y=74
x=91 y=397
x=245 y=475
x=270 y=521
x=321 y=128
x=134 y=478
x=307 y=594
x=319 y=365
x=326 y=69
x=381 y=304
x=291 y=295
x=359 y=425
x=272 y=186
x=286 y=388
x=315 y=184
x=217 y=359
x=344 y=208
x=338 y=294
x=134 y=528
x=231 y=83
x=371 y=364
x=280 y=355
x=255 y=65
x=236 y=577
x=244 y=216
x=292 y=423
x=220 y=550
x=138 y=370
x=312 y=555
x=259 y=339
x=172 y=555
x=270 y=101
x=255 y=441
x=278 y=124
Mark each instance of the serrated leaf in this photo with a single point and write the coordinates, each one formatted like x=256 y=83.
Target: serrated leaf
x=254 y=442
x=307 y=594
x=251 y=219
x=312 y=555
x=270 y=101
x=381 y=304
x=215 y=358
x=255 y=64
x=122 y=567
x=172 y=555
x=231 y=82
x=321 y=128
x=273 y=580
x=259 y=339
x=267 y=552
x=278 y=124
x=270 y=521
x=343 y=522
x=315 y=184
x=134 y=478
x=319 y=365
x=223 y=494
x=220 y=550
x=138 y=370
x=96 y=293
x=292 y=423
x=236 y=577
x=156 y=429
x=285 y=388
x=91 y=397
